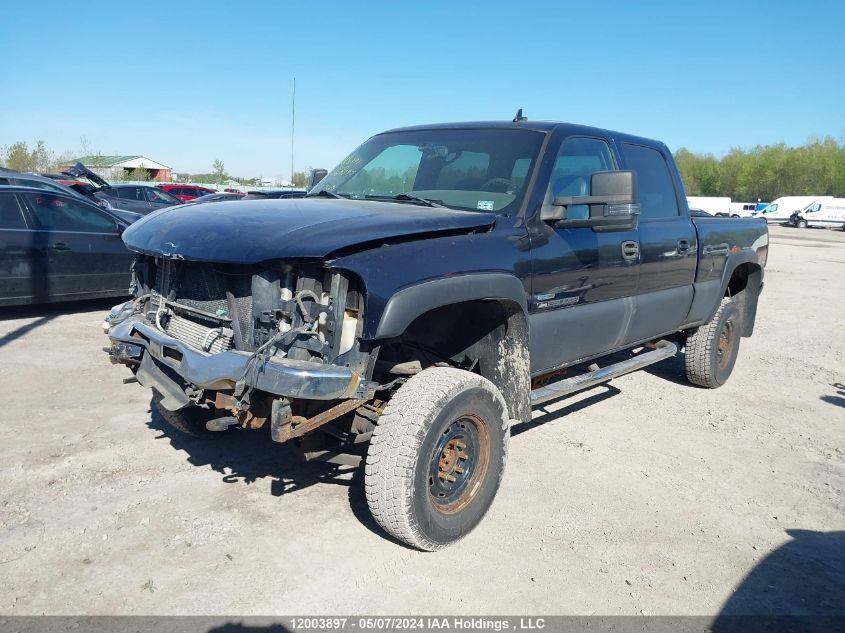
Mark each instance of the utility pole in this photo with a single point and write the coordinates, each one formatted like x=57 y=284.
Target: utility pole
x=292 y=129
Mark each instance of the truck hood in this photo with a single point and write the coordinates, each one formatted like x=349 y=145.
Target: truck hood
x=252 y=231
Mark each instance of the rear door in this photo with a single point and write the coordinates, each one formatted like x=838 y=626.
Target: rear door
x=668 y=244
x=583 y=282
x=133 y=198
x=85 y=254
x=156 y=198
x=22 y=262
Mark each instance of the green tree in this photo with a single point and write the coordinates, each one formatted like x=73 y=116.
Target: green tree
x=139 y=174
x=300 y=179
x=219 y=171
x=20 y=157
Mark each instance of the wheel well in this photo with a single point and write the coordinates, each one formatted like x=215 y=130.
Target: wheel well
x=488 y=337
x=744 y=287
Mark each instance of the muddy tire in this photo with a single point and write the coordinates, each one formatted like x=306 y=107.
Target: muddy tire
x=711 y=349
x=190 y=420
x=436 y=457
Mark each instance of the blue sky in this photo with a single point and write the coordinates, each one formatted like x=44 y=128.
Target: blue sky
x=186 y=82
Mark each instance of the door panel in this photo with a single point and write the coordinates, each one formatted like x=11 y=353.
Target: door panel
x=22 y=264
x=668 y=247
x=582 y=284
x=84 y=252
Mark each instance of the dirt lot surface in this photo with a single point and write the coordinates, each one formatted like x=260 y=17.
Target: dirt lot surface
x=645 y=496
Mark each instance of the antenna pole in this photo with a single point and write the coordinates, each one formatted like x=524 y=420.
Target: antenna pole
x=292 y=130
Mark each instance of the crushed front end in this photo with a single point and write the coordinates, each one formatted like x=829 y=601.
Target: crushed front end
x=247 y=343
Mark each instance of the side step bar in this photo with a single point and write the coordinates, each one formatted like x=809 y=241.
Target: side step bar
x=662 y=351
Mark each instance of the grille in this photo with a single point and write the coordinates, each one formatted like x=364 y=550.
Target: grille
x=203 y=287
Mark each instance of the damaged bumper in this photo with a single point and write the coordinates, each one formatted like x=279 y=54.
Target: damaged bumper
x=180 y=372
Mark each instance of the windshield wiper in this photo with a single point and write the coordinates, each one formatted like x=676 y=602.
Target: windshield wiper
x=325 y=193
x=404 y=197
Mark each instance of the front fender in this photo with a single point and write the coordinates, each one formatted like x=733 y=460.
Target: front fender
x=409 y=303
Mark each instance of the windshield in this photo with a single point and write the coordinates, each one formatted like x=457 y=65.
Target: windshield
x=471 y=169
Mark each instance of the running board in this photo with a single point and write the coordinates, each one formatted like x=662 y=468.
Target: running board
x=662 y=351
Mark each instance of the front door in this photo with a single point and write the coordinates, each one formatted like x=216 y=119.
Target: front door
x=84 y=251
x=668 y=247
x=583 y=281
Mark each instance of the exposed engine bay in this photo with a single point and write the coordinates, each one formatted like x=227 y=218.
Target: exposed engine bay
x=298 y=311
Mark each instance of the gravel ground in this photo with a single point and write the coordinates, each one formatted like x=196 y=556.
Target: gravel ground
x=644 y=496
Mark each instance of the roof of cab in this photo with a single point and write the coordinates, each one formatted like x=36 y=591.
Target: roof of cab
x=537 y=126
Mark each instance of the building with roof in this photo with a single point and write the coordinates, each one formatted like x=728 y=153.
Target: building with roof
x=122 y=167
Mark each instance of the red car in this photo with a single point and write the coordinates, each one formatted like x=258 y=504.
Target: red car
x=186 y=192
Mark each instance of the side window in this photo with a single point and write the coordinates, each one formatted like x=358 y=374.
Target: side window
x=577 y=160
x=654 y=182
x=55 y=213
x=11 y=216
x=154 y=195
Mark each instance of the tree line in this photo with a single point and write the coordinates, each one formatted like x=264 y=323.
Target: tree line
x=764 y=172
x=767 y=172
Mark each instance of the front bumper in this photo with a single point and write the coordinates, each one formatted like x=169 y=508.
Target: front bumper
x=178 y=372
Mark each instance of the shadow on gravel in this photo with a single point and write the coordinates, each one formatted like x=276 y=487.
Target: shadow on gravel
x=839 y=399
x=44 y=313
x=607 y=391
x=248 y=456
x=804 y=578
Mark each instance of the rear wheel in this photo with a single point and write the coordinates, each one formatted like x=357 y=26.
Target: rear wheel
x=436 y=457
x=711 y=349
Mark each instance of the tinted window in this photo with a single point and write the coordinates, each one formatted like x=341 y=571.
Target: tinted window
x=577 y=160
x=132 y=193
x=40 y=184
x=4 y=181
x=11 y=216
x=654 y=182
x=159 y=197
x=55 y=213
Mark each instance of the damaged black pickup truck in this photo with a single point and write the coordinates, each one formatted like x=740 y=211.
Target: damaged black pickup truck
x=436 y=285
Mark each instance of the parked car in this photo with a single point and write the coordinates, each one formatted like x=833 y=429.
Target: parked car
x=12 y=177
x=828 y=213
x=218 y=197
x=57 y=246
x=186 y=192
x=275 y=194
x=419 y=319
x=140 y=199
x=780 y=211
x=699 y=213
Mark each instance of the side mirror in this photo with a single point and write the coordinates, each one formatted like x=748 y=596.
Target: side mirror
x=613 y=204
x=316 y=176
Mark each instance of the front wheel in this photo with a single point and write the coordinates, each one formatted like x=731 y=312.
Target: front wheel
x=801 y=223
x=711 y=349
x=436 y=457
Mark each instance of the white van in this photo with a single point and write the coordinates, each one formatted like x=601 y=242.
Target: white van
x=742 y=209
x=780 y=211
x=711 y=204
x=828 y=213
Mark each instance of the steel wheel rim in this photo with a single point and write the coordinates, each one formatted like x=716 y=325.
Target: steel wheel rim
x=458 y=464
x=725 y=345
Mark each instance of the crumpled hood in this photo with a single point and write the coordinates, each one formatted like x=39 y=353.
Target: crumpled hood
x=252 y=231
